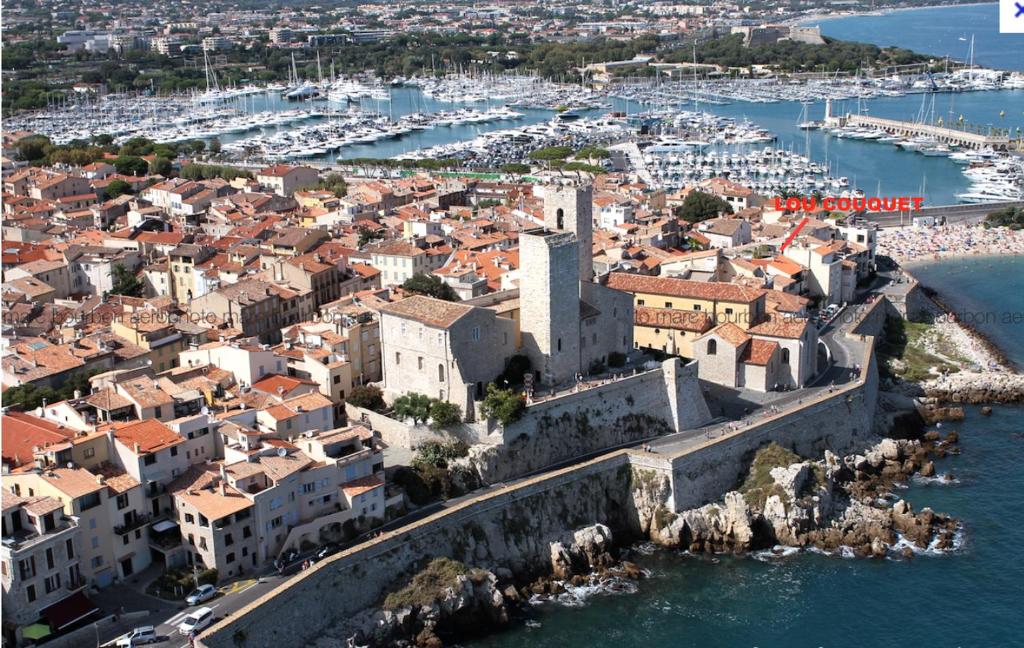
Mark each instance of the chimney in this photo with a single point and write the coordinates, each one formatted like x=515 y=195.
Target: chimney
x=223 y=488
x=223 y=473
x=138 y=448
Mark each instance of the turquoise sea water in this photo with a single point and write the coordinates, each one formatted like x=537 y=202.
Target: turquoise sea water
x=968 y=598
x=938 y=31
x=983 y=291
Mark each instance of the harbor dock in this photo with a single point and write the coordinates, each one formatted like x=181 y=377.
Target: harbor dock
x=942 y=134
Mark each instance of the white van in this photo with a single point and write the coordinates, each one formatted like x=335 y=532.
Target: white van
x=138 y=637
x=196 y=621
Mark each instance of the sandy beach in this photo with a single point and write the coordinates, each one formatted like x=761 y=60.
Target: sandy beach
x=809 y=19
x=908 y=244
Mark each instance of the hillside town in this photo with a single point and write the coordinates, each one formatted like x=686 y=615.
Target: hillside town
x=221 y=378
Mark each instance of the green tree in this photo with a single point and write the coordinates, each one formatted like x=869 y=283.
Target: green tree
x=334 y=182
x=33 y=148
x=439 y=453
x=366 y=235
x=699 y=206
x=117 y=188
x=161 y=166
x=29 y=396
x=215 y=146
x=423 y=284
x=504 y=405
x=515 y=168
x=368 y=397
x=444 y=415
x=125 y=282
x=131 y=165
x=1012 y=217
x=550 y=154
x=414 y=406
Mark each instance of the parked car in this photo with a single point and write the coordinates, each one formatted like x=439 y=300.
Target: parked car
x=328 y=549
x=196 y=622
x=201 y=594
x=138 y=637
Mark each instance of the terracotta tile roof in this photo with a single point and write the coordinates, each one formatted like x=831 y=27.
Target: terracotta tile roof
x=73 y=482
x=723 y=226
x=780 y=326
x=277 y=468
x=196 y=487
x=145 y=393
x=680 y=320
x=151 y=435
x=362 y=485
x=278 y=170
x=759 y=352
x=732 y=334
x=344 y=434
x=21 y=432
x=118 y=481
x=398 y=248
x=432 y=312
x=673 y=287
x=270 y=383
x=42 y=505
x=308 y=402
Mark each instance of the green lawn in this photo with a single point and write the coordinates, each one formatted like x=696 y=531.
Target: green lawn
x=905 y=342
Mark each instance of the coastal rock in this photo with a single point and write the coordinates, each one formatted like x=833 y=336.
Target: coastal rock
x=831 y=515
x=791 y=479
x=591 y=548
x=977 y=387
x=890 y=449
x=561 y=561
x=594 y=543
x=472 y=599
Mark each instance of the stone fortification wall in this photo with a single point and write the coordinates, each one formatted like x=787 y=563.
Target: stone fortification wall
x=842 y=421
x=510 y=528
x=630 y=409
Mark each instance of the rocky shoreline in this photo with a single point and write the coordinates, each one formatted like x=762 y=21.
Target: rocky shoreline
x=450 y=600
x=833 y=505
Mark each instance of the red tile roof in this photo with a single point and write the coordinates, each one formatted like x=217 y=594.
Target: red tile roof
x=673 y=287
x=151 y=435
x=22 y=432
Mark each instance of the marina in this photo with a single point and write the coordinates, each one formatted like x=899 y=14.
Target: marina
x=259 y=125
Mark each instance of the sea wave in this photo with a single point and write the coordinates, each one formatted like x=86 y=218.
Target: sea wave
x=941 y=479
x=578 y=595
x=777 y=552
x=645 y=548
x=932 y=549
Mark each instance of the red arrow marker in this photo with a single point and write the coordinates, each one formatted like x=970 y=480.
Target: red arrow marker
x=792 y=235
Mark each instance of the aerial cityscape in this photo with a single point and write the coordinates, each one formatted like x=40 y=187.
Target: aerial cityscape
x=624 y=323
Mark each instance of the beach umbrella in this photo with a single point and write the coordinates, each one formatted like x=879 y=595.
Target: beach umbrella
x=36 y=631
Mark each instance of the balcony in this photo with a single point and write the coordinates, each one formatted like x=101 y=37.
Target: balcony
x=140 y=520
x=29 y=537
